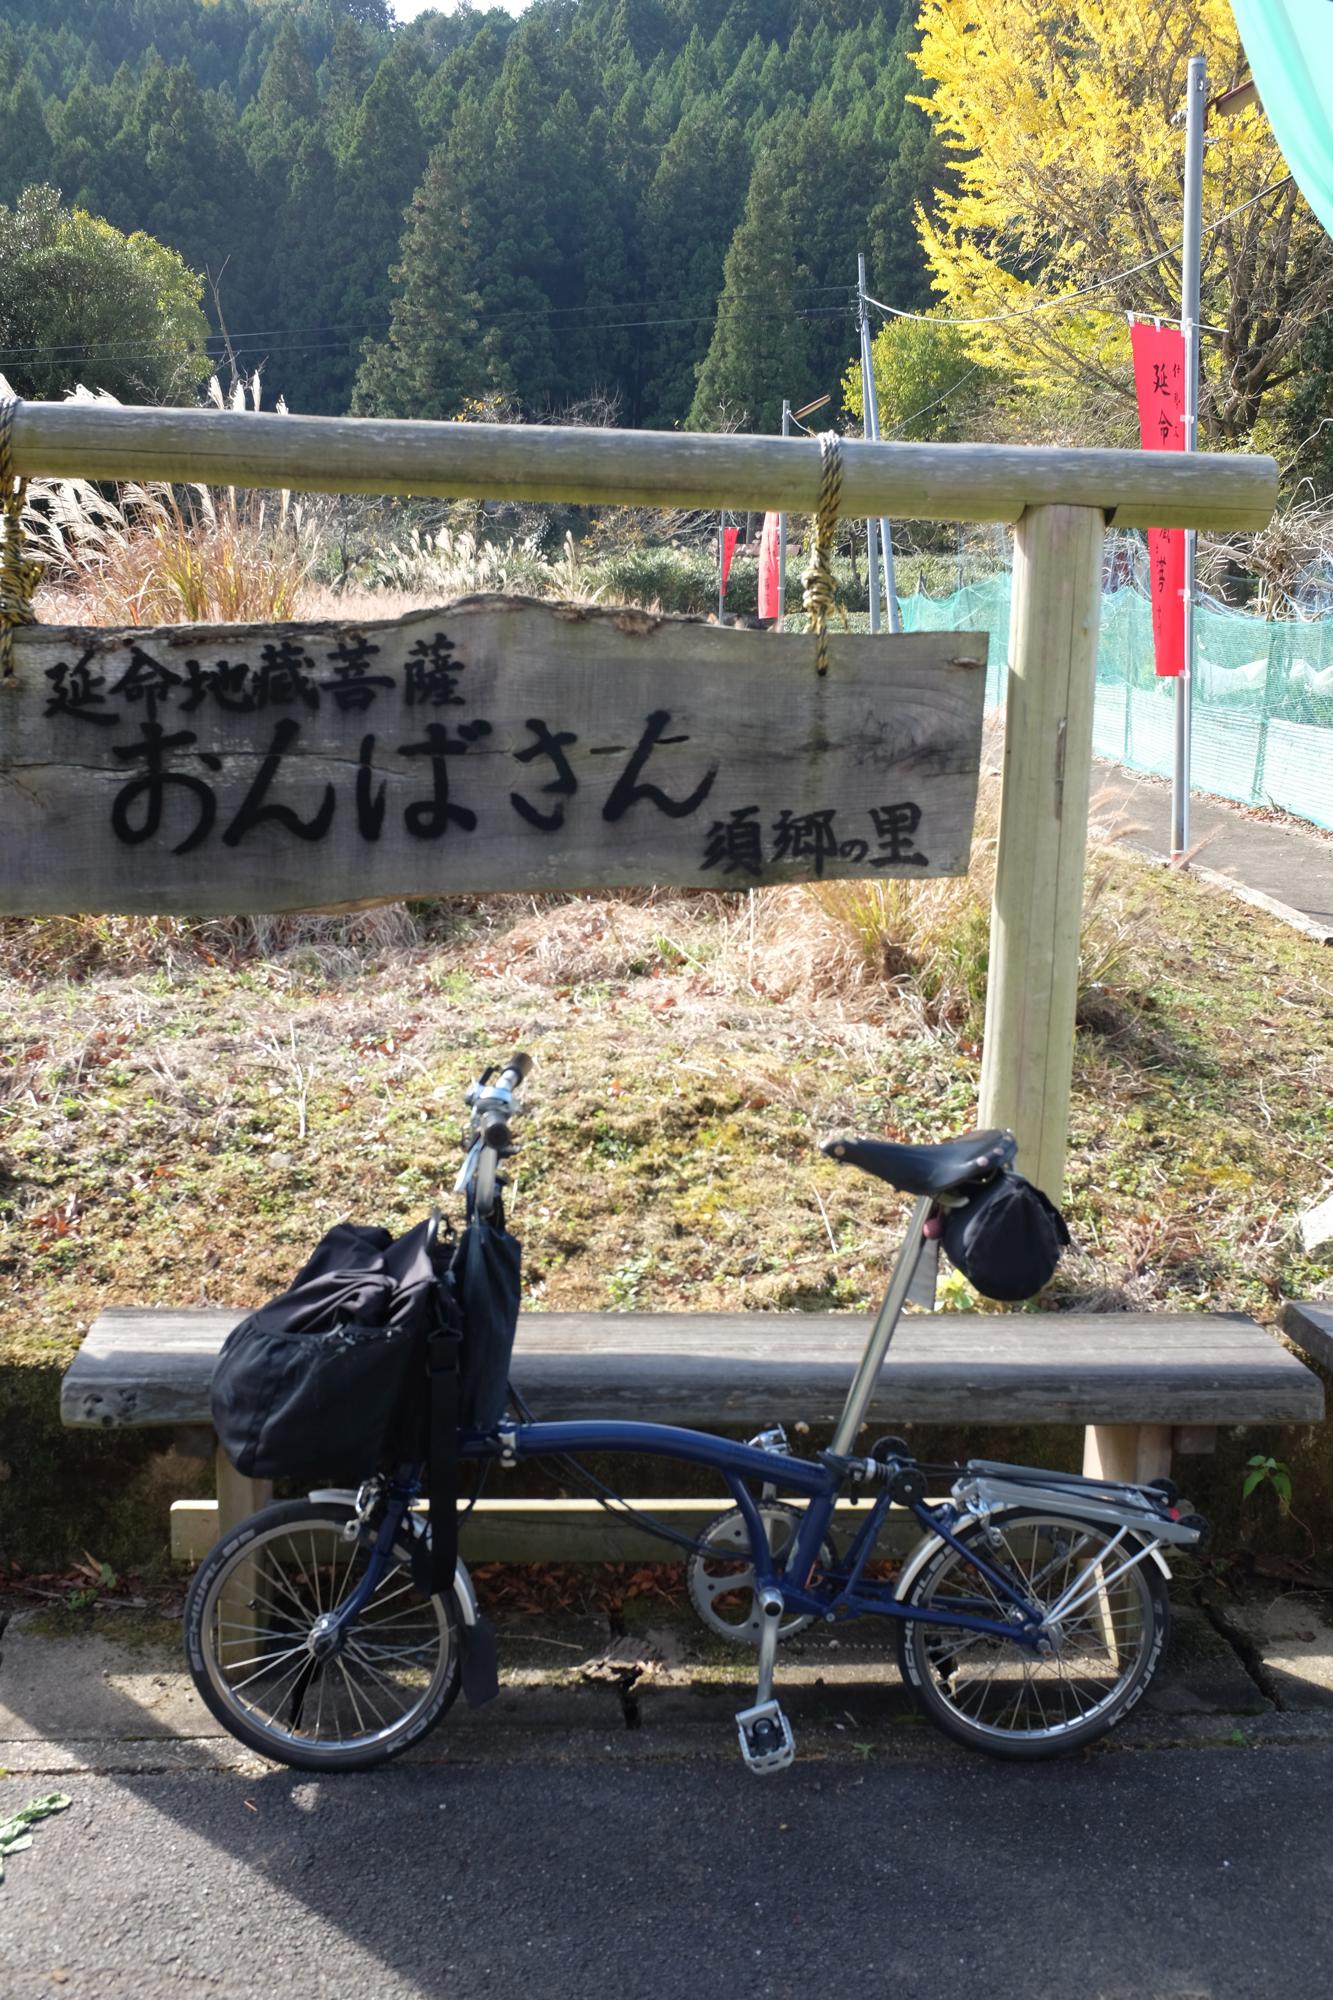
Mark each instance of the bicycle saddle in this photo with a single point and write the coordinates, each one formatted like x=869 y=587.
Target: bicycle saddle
x=926 y=1169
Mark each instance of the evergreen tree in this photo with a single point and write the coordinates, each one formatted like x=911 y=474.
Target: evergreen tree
x=429 y=364
x=689 y=216
x=25 y=142
x=311 y=359
x=374 y=186
x=282 y=114
x=783 y=326
x=84 y=126
x=176 y=169
x=345 y=79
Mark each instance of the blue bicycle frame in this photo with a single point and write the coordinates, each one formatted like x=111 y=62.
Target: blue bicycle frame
x=807 y=1588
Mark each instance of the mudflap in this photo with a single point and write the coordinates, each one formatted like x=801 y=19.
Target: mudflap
x=481 y=1677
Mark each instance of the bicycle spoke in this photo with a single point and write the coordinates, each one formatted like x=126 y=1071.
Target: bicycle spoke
x=264 y=1660
x=321 y=1678
x=368 y=1698
x=395 y=1693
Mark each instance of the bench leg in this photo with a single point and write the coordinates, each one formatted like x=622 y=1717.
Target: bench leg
x=237 y=1497
x=243 y=1618
x=1130 y=1453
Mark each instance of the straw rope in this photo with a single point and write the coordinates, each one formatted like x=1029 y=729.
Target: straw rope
x=818 y=597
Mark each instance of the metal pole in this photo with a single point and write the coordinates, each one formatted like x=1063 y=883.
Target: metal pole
x=870 y=427
x=782 y=530
x=721 y=561
x=1196 y=88
x=872 y=554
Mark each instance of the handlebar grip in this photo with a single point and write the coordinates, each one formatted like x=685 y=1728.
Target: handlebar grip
x=498 y=1137
x=518 y=1066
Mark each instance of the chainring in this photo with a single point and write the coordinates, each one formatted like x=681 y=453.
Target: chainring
x=720 y=1577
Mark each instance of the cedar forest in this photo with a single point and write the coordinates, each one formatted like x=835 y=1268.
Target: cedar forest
x=655 y=203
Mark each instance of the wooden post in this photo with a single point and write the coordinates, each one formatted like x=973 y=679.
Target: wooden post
x=1132 y=1453
x=242 y=1609
x=1038 y=906
x=238 y=1497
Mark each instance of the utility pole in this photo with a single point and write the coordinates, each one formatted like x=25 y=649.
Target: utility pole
x=872 y=553
x=870 y=430
x=1191 y=253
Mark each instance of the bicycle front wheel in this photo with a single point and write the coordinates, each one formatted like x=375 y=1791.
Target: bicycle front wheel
x=248 y=1619
x=1000 y=1696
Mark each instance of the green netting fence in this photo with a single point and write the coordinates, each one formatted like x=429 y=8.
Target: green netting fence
x=1263 y=694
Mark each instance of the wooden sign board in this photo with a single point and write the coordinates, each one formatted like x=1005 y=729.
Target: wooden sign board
x=495 y=743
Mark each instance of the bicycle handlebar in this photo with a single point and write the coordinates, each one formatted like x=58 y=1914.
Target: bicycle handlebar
x=489 y=1140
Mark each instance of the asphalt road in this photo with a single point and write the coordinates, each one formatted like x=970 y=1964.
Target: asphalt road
x=1198 y=1874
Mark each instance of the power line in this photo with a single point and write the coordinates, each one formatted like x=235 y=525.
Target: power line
x=16 y=355
x=926 y=408
x=88 y=350
x=1065 y=299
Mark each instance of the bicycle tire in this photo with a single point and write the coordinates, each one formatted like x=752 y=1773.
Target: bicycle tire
x=403 y=1650
x=998 y=1696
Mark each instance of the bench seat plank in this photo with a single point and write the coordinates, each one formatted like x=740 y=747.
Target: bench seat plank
x=152 y=1366
x=1309 y=1324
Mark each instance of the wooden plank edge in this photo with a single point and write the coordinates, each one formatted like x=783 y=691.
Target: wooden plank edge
x=1308 y=1323
x=555 y=1530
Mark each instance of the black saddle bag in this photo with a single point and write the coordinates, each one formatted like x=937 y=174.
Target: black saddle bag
x=1007 y=1237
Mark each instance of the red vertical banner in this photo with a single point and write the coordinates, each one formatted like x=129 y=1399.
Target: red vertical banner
x=730 y=537
x=768 y=568
x=1159 y=381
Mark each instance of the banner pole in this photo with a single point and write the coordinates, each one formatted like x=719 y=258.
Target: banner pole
x=782 y=530
x=1195 y=114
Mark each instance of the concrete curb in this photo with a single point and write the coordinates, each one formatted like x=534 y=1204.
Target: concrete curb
x=1257 y=898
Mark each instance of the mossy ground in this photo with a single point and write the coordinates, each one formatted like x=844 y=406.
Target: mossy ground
x=184 y=1109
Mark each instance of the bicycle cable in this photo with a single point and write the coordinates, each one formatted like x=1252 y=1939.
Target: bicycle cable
x=607 y=1498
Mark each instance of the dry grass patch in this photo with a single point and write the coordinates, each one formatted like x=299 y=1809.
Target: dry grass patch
x=185 y=1107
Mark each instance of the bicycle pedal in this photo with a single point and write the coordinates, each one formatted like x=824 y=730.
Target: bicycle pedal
x=767 y=1743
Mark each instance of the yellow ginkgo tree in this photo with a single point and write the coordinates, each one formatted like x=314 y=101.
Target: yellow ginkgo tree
x=1065 y=118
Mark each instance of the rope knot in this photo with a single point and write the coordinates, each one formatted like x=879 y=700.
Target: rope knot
x=820 y=590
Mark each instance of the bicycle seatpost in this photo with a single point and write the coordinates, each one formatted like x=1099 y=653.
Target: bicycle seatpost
x=863 y=1382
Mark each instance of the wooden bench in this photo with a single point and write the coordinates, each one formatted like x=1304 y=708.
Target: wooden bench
x=1140 y=1384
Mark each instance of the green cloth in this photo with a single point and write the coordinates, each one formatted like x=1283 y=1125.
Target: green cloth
x=14 y=1834
x=1290 y=47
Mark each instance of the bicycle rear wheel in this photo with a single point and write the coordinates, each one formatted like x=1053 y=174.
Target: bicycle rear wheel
x=1000 y=1696
x=248 y=1617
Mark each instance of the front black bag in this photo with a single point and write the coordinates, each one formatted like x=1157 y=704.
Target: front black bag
x=324 y=1382
x=1007 y=1237
x=488 y=1272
